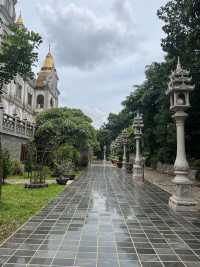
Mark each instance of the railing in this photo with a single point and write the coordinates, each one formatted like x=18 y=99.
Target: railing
x=15 y=126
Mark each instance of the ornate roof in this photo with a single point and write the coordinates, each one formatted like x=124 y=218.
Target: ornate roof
x=180 y=80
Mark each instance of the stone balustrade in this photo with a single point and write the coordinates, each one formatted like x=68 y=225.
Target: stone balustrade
x=14 y=126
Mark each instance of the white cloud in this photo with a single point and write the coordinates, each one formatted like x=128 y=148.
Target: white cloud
x=85 y=39
x=98 y=116
x=107 y=34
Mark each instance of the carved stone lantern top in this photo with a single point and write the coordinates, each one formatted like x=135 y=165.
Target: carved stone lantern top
x=179 y=88
x=138 y=124
x=124 y=136
x=118 y=141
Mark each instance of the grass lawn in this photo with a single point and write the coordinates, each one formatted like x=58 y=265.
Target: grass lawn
x=25 y=176
x=19 y=204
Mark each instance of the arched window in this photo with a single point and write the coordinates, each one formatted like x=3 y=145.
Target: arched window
x=40 y=101
x=51 y=103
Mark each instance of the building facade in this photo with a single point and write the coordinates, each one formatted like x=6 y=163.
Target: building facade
x=24 y=98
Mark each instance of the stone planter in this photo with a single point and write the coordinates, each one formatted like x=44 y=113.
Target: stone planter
x=119 y=165
x=62 y=180
x=129 y=167
x=35 y=186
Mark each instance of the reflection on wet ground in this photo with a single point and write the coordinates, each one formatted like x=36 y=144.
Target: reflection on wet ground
x=106 y=220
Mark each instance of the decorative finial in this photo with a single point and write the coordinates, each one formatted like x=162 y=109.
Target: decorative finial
x=179 y=68
x=49 y=48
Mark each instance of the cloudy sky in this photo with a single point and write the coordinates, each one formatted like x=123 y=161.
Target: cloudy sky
x=101 y=48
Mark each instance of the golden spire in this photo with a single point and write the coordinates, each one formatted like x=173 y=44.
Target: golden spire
x=48 y=62
x=20 y=21
x=47 y=67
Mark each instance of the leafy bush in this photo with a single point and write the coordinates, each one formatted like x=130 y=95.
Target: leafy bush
x=66 y=153
x=7 y=165
x=63 y=169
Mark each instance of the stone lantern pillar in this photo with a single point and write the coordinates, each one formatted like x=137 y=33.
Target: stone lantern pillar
x=104 y=153
x=1 y=115
x=138 y=169
x=124 y=156
x=178 y=90
x=124 y=136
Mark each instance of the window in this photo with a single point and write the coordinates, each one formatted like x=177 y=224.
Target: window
x=18 y=92
x=30 y=97
x=40 y=101
x=24 y=152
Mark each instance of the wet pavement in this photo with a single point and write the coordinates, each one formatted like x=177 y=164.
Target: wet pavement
x=106 y=220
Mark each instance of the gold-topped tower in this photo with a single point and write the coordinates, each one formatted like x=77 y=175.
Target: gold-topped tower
x=48 y=67
x=48 y=64
x=20 y=21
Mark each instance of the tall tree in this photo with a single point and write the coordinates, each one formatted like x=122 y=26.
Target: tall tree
x=182 y=28
x=181 y=19
x=18 y=53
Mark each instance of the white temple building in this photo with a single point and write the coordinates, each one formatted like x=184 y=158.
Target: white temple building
x=24 y=98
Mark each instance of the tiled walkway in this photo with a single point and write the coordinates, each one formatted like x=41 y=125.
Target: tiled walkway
x=105 y=220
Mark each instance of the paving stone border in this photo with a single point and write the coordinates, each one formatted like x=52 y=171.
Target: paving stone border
x=106 y=220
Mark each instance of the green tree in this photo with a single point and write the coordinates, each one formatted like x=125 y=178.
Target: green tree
x=18 y=52
x=181 y=20
x=61 y=128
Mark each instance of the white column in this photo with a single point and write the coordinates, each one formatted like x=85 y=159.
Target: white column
x=1 y=115
x=124 y=156
x=138 y=172
x=181 y=162
x=104 y=154
x=138 y=155
x=16 y=121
